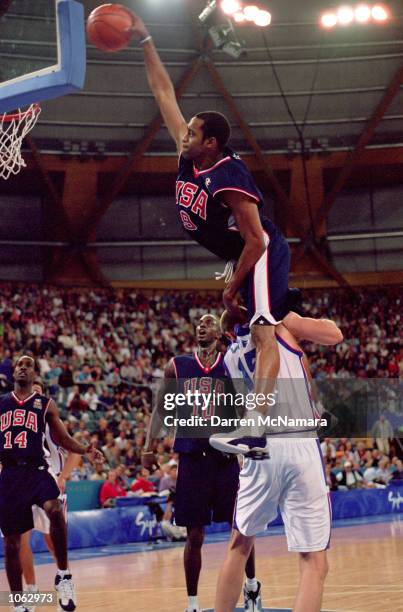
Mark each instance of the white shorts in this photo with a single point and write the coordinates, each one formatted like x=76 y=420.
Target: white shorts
x=292 y=481
x=41 y=521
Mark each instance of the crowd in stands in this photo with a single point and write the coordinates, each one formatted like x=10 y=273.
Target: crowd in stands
x=100 y=350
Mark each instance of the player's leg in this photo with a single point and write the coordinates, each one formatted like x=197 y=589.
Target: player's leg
x=230 y=579
x=58 y=531
x=192 y=510
x=305 y=508
x=264 y=292
x=15 y=518
x=252 y=588
x=49 y=544
x=27 y=560
x=313 y=568
x=12 y=545
x=64 y=585
x=192 y=561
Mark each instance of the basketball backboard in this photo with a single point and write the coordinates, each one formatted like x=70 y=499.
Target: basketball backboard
x=42 y=50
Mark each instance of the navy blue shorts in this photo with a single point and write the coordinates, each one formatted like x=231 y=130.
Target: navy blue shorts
x=264 y=290
x=20 y=488
x=206 y=488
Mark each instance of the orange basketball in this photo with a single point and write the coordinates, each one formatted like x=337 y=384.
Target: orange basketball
x=107 y=27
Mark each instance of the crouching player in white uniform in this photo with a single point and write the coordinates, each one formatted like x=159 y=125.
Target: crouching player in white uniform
x=292 y=479
x=61 y=464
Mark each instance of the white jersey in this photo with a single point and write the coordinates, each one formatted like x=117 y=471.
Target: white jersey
x=293 y=479
x=55 y=455
x=293 y=390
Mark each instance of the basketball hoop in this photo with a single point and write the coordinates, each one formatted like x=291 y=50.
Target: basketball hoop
x=13 y=129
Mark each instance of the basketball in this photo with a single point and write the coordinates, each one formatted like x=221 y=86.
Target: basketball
x=107 y=27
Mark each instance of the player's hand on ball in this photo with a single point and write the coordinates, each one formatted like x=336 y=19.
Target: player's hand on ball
x=138 y=28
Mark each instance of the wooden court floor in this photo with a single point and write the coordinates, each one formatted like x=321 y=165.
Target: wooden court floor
x=366 y=575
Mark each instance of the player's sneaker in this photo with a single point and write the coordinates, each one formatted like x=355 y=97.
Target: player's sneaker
x=31 y=589
x=252 y=447
x=66 y=593
x=20 y=609
x=253 y=599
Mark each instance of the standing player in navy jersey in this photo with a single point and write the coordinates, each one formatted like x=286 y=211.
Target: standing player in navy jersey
x=219 y=205
x=61 y=463
x=25 y=479
x=207 y=479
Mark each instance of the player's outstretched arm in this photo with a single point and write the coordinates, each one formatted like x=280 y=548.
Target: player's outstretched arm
x=156 y=423
x=160 y=84
x=321 y=331
x=62 y=437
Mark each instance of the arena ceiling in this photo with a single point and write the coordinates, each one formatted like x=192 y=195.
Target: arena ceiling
x=336 y=95
x=294 y=79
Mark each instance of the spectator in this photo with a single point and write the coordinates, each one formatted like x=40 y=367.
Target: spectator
x=349 y=477
x=142 y=484
x=168 y=481
x=110 y=490
x=91 y=398
x=382 y=431
x=99 y=473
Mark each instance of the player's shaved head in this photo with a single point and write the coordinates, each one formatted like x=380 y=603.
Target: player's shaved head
x=208 y=329
x=19 y=359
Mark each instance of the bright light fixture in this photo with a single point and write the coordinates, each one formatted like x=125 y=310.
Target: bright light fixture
x=345 y=15
x=379 y=12
x=251 y=12
x=362 y=13
x=229 y=7
x=263 y=19
x=239 y=17
x=328 y=20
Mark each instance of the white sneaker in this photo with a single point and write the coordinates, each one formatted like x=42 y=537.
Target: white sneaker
x=31 y=589
x=253 y=447
x=253 y=599
x=20 y=609
x=66 y=593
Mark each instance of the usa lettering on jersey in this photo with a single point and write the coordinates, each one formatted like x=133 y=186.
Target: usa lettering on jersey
x=19 y=418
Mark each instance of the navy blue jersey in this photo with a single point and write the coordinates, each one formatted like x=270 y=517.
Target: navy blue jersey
x=191 y=375
x=203 y=213
x=22 y=428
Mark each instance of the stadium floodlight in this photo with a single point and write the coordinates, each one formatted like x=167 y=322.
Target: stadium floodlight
x=230 y=7
x=263 y=19
x=238 y=17
x=379 y=12
x=345 y=15
x=362 y=13
x=210 y=8
x=224 y=37
x=328 y=20
x=251 y=12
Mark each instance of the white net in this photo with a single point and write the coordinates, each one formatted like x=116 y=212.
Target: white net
x=13 y=129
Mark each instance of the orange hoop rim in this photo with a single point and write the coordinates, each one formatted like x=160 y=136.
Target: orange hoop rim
x=32 y=110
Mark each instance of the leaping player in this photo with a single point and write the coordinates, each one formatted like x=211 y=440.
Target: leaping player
x=25 y=480
x=293 y=479
x=219 y=205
